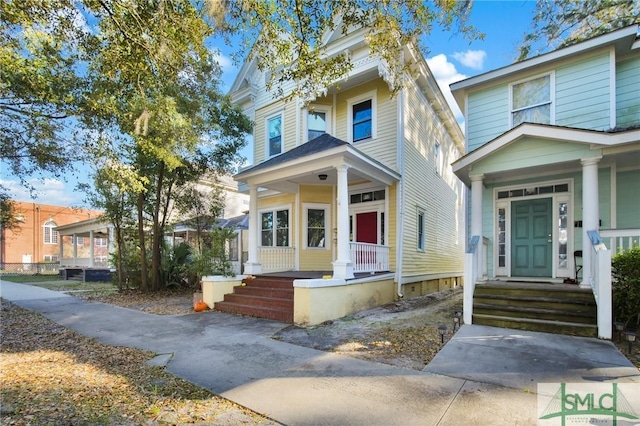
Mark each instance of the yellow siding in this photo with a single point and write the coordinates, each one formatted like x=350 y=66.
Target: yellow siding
x=437 y=195
x=316 y=259
x=383 y=147
x=260 y=128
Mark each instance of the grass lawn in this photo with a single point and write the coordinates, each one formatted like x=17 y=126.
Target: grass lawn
x=29 y=279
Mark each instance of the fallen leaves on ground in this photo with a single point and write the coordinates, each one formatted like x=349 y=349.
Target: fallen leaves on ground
x=162 y=302
x=52 y=375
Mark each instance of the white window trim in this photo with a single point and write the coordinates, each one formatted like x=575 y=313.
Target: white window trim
x=315 y=108
x=305 y=230
x=552 y=96
x=53 y=234
x=423 y=239
x=274 y=210
x=372 y=95
x=267 y=142
x=100 y=242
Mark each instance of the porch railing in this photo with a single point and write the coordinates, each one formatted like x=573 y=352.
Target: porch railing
x=368 y=257
x=277 y=259
x=620 y=239
x=600 y=283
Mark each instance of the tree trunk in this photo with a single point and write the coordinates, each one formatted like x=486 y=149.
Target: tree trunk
x=157 y=237
x=144 y=282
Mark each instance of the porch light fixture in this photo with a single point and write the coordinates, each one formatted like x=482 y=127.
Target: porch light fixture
x=631 y=337
x=442 y=330
x=322 y=177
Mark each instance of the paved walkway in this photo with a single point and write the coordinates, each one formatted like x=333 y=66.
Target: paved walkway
x=484 y=375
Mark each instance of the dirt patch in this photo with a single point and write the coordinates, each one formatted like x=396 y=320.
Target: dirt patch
x=403 y=333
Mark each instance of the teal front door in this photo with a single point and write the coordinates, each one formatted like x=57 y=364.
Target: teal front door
x=531 y=243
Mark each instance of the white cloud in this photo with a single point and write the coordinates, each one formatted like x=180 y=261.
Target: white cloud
x=473 y=59
x=47 y=191
x=446 y=73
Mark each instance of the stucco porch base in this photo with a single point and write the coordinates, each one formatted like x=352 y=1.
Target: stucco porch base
x=320 y=300
x=214 y=287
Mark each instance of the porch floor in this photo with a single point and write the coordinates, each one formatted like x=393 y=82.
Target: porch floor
x=307 y=275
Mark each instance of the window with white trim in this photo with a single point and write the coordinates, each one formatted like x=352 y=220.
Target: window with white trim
x=421 y=230
x=50 y=236
x=316 y=124
x=362 y=117
x=316 y=217
x=274 y=135
x=274 y=228
x=100 y=242
x=77 y=240
x=50 y=258
x=531 y=101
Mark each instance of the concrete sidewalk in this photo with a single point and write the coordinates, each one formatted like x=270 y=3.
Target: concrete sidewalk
x=484 y=375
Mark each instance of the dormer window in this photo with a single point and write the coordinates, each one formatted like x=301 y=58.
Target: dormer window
x=531 y=101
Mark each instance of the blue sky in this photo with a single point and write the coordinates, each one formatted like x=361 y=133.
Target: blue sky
x=450 y=58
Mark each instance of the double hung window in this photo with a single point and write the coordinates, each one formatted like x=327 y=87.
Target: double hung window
x=531 y=101
x=274 y=135
x=274 y=228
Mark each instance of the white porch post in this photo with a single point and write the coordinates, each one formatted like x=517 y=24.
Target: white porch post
x=477 y=188
x=91 y=250
x=343 y=267
x=61 y=250
x=111 y=244
x=590 y=215
x=253 y=265
x=75 y=250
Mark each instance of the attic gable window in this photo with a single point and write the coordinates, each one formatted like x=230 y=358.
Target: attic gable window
x=274 y=135
x=531 y=101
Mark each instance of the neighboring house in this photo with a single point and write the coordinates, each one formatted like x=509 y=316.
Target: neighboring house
x=37 y=239
x=553 y=152
x=356 y=186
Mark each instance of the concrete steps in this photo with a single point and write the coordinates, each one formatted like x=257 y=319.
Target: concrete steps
x=550 y=308
x=261 y=297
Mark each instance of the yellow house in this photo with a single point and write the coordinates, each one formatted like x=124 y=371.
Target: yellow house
x=352 y=196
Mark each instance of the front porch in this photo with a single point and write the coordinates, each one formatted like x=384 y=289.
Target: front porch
x=304 y=297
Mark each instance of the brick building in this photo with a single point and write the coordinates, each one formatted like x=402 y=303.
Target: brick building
x=36 y=240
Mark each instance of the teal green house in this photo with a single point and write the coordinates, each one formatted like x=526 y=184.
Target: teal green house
x=553 y=166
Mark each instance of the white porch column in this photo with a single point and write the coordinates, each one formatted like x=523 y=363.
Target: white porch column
x=477 y=188
x=476 y=205
x=75 y=250
x=91 y=250
x=343 y=267
x=590 y=215
x=253 y=265
x=61 y=250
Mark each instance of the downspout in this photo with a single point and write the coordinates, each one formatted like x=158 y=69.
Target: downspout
x=400 y=193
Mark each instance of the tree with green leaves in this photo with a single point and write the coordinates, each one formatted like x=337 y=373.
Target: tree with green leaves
x=40 y=89
x=153 y=79
x=288 y=37
x=561 y=23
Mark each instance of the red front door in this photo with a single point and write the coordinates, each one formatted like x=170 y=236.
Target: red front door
x=367 y=227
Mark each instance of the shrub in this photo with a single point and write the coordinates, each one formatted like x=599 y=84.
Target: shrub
x=626 y=284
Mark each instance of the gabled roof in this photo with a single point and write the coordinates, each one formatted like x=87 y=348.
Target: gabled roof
x=314 y=146
x=464 y=165
x=624 y=40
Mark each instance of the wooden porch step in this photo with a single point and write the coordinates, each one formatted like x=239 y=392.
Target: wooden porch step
x=584 y=317
x=265 y=302
x=551 y=308
x=262 y=297
x=283 y=315
x=530 y=324
x=280 y=293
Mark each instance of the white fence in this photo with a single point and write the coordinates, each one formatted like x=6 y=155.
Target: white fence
x=277 y=259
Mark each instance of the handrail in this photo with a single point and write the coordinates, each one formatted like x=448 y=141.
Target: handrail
x=471 y=266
